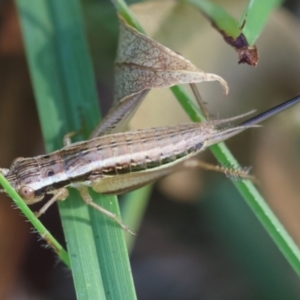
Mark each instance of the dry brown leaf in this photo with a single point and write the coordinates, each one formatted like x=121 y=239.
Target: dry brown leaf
x=143 y=64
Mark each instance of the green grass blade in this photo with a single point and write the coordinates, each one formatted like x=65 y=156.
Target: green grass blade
x=127 y=14
x=249 y=192
x=221 y=18
x=240 y=35
x=44 y=233
x=255 y=16
x=262 y=211
x=251 y=23
x=133 y=208
x=64 y=88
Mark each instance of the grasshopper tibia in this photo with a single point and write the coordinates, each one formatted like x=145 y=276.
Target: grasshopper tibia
x=229 y=171
x=84 y=193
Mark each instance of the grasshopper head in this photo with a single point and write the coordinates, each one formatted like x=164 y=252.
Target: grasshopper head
x=23 y=176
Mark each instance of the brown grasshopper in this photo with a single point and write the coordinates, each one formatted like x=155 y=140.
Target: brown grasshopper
x=115 y=163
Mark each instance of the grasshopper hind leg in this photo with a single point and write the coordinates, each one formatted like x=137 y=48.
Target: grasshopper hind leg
x=231 y=172
x=84 y=193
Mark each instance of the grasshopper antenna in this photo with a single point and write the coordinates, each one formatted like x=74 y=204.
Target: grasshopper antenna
x=271 y=112
x=227 y=133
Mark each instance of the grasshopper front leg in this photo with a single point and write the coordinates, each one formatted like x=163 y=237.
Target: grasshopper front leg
x=59 y=195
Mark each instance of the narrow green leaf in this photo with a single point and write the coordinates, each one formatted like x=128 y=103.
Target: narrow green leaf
x=255 y=17
x=240 y=35
x=252 y=21
x=219 y=16
x=65 y=91
x=44 y=233
x=133 y=208
x=127 y=14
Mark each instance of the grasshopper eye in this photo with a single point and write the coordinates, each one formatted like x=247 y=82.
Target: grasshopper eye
x=50 y=173
x=26 y=193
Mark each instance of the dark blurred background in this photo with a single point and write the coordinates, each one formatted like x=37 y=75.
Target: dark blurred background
x=198 y=239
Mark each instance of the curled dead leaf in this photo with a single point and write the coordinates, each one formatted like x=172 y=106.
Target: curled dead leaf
x=143 y=64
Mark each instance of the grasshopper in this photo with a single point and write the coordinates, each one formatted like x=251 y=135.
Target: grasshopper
x=115 y=163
